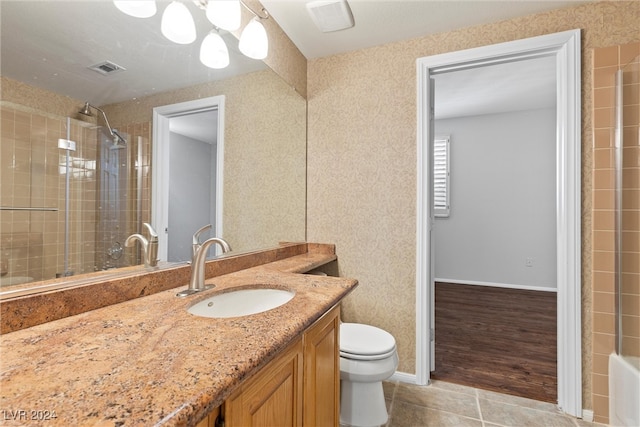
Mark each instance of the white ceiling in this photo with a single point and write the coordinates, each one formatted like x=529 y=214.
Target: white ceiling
x=202 y=126
x=511 y=86
x=383 y=21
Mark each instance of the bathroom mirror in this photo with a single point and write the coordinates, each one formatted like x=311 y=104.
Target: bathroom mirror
x=61 y=214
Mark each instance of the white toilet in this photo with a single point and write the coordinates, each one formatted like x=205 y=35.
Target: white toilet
x=368 y=356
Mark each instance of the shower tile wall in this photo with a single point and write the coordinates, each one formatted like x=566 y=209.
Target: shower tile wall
x=606 y=61
x=33 y=176
x=139 y=136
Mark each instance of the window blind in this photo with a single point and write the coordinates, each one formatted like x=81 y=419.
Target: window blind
x=441 y=194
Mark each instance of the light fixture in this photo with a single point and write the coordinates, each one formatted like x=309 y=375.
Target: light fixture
x=137 y=8
x=213 y=51
x=253 y=40
x=177 y=24
x=224 y=14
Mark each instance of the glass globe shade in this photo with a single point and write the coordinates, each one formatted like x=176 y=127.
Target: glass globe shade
x=224 y=14
x=253 y=40
x=177 y=24
x=214 y=52
x=137 y=8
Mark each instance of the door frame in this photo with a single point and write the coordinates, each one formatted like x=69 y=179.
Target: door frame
x=160 y=170
x=565 y=46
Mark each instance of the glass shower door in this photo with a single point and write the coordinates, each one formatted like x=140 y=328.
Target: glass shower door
x=628 y=211
x=113 y=208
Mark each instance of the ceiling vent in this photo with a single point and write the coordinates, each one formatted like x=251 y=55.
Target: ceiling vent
x=331 y=15
x=106 y=68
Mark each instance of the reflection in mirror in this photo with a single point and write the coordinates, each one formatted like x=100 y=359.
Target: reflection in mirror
x=188 y=171
x=68 y=208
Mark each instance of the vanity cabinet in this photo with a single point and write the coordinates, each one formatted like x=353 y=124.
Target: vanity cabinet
x=300 y=387
x=322 y=371
x=273 y=397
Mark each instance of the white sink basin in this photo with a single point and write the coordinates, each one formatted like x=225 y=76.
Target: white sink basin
x=241 y=302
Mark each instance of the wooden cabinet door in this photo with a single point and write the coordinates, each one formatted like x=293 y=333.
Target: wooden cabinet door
x=210 y=421
x=271 y=398
x=322 y=372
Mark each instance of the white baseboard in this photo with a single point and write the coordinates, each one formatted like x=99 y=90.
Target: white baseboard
x=498 y=285
x=403 y=377
x=587 y=415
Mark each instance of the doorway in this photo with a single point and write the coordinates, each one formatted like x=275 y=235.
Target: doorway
x=188 y=150
x=494 y=228
x=565 y=48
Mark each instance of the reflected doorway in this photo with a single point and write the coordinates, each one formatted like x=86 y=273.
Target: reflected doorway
x=187 y=180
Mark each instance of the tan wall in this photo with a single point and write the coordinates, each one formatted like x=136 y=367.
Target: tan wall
x=362 y=160
x=39 y=99
x=606 y=61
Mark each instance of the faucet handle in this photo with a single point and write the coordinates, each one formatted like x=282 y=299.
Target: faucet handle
x=152 y=233
x=196 y=235
x=196 y=240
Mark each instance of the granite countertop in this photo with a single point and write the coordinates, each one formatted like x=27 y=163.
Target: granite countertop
x=148 y=361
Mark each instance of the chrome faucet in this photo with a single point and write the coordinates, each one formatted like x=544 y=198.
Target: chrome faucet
x=149 y=247
x=199 y=255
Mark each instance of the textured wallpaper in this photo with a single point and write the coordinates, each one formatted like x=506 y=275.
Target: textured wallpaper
x=38 y=99
x=362 y=159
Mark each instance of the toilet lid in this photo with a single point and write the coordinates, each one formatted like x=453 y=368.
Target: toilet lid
x=365 y=340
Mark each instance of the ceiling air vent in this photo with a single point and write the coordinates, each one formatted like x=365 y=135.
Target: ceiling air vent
x=106 y=68
x=331 y=15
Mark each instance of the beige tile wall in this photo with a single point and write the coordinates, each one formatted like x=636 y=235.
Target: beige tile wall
x=33 y=176
x=140 y=133
x=606 y=62
x=362 y=160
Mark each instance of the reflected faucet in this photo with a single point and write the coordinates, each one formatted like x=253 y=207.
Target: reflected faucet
x=149 y=247
x=196 y=283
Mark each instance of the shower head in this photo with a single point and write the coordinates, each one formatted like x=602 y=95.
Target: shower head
x=86 y=110
x=117 y=138
x=117 y=146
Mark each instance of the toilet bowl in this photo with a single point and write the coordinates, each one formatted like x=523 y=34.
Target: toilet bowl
x=368 y=356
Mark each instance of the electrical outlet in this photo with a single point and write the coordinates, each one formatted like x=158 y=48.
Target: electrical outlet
x=528 y=262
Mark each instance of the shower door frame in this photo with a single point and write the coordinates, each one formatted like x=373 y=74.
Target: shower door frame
x=565 y=46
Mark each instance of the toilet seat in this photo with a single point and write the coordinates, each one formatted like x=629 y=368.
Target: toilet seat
x=365 y=342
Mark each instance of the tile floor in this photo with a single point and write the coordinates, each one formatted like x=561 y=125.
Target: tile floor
x=445 y=404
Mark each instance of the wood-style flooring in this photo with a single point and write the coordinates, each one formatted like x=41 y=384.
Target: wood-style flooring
x=497 y=339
